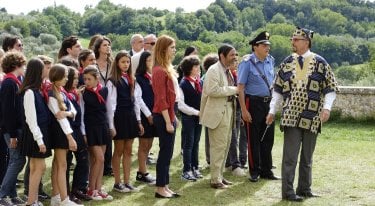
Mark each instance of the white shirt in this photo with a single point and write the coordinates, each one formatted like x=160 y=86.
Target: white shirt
x=111 y=103
x=31 y=117
x=64 y=123
x=184 y=107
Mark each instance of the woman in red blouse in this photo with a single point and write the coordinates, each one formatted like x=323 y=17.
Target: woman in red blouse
x=165 y=120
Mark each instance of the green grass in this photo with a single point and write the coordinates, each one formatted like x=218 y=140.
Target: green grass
x=343 y=174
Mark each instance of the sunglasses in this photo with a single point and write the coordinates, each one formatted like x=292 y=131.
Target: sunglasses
x=151 y=43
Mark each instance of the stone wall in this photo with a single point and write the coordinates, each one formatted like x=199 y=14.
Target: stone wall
x=355 y=102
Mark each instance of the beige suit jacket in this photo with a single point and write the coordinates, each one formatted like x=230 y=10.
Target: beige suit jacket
x=214 y=96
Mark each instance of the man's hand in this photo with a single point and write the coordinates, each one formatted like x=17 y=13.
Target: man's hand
x=324 y=116
x=270 y=118
x=246 y=116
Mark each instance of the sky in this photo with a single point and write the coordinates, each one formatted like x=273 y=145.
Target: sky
x=25 y=6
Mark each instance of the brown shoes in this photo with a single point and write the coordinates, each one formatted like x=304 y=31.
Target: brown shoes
x=219 y=185
x=226 y=182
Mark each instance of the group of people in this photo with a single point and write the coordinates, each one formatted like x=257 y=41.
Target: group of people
x=89 y=100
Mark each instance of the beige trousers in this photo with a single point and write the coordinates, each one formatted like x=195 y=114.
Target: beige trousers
x=220 y=138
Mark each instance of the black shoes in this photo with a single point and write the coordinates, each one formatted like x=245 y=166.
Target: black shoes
x=146 y=178
x=174 y=195
x=271 y=177
x=254 y=178
x=294 y=198
x=219 y=185
x=307 y=194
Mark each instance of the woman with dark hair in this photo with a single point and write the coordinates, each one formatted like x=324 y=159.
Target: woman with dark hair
x=103 y=55
x=35 y=139
x=190 y=50
x=145 y=101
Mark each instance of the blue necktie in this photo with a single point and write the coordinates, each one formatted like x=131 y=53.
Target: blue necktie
x=300 y=61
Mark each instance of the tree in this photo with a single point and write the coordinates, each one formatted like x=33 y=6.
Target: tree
x=332 y=22
x=221 y=21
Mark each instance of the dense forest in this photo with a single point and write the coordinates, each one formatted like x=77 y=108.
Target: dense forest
x=344 y=29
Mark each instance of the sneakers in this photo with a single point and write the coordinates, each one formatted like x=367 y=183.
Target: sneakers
x=5 y=202
x=17 y=201
x=197 y=174
x=94 y=195
x=238 y=172
x=37 y=203
x=146 y=178
x=105 y=195
x=55 y=200
x=120 y=187
x=131 y=188
x=43 y=196
x=68 y=202
x=188 y=176
x=81 y=195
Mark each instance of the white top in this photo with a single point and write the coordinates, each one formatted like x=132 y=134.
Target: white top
x=111 y=103
x=184 y=107
x=31 y=117
x=64 y=123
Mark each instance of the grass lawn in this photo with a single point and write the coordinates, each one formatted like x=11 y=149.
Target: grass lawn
x=343 y=174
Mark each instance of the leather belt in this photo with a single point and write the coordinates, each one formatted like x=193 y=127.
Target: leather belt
x=263 y=99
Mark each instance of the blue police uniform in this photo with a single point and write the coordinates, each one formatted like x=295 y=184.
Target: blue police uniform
x=257 y=99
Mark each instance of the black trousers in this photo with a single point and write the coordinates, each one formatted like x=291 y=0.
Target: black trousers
x=81 y=170
x=3 y=157
x=166 y=144
x=259 y=152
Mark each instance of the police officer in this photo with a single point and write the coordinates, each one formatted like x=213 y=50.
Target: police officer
x=256 y=74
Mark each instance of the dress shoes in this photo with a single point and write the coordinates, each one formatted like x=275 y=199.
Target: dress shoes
x=307 y=194
x=219 y=185
x=157 y=195
x=254 y=178
x=294 y=198
x=226 y=182
x=176 y=195
x=271 y=177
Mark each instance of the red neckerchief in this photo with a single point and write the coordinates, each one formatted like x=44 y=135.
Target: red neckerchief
x=13 y=77
x=127 y=77
x=81 y=70
x=234 y=74
x=196 y=82
x=96 y=91
x=46 y=86
x=148 y=76
x=70 y=97
x=75 y=94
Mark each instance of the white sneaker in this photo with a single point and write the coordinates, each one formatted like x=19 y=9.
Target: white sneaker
x=67 y=202
x=238 y=172
x=105 y=195
x=94 y=195
x=56 y=200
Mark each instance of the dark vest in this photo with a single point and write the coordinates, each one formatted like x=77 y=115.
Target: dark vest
x=42 y=112
x=95 y=112
x=125 y=101
x=147 y=93
x=76 y=123
x=191 y=96
x=55 y=128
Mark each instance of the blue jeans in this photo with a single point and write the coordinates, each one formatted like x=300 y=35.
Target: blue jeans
x=192 y=134
x=15 y=165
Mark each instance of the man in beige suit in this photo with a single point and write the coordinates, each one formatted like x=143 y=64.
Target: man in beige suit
x=217 y=110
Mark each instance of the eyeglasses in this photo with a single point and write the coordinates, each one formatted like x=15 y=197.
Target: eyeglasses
x=151 y=43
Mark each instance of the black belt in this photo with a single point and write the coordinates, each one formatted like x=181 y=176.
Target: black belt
x=263 y=99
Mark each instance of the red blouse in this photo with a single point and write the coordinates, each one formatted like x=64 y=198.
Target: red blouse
x=164 y=94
